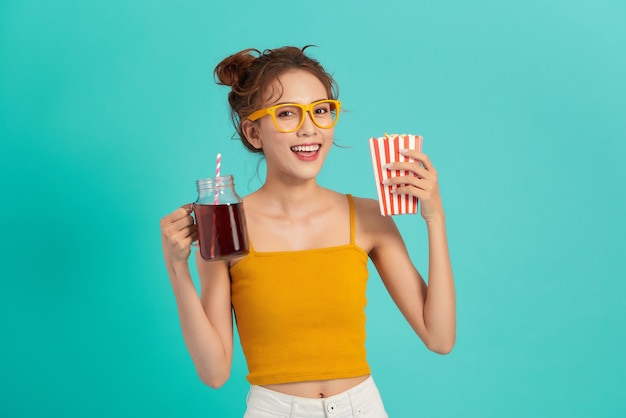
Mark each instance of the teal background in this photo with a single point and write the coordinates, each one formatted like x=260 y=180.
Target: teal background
x=108 y=114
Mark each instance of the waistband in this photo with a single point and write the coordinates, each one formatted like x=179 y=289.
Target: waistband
x=353 y=400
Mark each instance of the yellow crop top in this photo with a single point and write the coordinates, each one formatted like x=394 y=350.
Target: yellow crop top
x=301 y=314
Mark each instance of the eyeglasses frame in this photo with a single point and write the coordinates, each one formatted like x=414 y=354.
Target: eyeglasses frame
x=258 y=114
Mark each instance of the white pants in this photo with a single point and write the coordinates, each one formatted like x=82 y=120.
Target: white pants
x=363 y=401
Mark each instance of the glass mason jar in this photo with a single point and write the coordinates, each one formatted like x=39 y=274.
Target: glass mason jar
x=220 y=219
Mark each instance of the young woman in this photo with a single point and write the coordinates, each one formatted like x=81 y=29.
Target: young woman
x=299 y=295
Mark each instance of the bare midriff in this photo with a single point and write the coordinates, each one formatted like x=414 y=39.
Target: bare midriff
x=317 y=388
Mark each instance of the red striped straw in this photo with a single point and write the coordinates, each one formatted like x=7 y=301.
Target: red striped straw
x=218 y=166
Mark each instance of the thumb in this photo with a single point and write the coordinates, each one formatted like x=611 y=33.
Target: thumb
x=188 y=207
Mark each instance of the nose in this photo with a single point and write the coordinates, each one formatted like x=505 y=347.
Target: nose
x=308 y=126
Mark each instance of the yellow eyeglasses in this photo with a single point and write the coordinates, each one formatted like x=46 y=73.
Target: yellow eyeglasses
x=289 y=117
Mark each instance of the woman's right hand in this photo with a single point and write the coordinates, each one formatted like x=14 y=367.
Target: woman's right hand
x=178 y=231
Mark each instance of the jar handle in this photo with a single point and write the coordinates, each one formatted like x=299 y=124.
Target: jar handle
x=192 y=212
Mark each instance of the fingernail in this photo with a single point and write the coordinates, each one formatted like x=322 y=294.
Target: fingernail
x=388 y=166
x=385 y=182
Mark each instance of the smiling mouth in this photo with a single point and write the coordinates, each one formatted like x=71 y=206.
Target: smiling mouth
x=306 y=149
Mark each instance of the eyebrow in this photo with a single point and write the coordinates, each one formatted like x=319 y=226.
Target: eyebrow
x=286 y=103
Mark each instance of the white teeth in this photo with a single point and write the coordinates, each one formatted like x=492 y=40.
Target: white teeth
x=305 y=148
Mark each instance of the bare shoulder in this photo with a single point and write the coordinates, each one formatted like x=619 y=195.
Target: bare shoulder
x=366 y=203
x=368 y=211
x=372 y=228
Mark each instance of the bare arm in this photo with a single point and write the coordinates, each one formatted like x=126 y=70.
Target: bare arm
x=206 y=321
x=429 y=309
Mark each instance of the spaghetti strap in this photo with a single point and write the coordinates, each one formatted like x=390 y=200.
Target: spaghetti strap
x=351 y=203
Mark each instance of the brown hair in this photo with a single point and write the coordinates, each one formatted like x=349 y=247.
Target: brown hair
x=251 y=72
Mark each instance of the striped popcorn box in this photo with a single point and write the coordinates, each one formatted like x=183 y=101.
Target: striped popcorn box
x=385 y=150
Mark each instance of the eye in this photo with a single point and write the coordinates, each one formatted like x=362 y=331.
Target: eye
x=286 y=112
x=322 y=109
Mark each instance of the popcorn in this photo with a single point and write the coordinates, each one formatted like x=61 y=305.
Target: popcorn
x=385 y=150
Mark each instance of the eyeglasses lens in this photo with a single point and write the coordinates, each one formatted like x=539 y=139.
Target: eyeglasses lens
x=289 y=117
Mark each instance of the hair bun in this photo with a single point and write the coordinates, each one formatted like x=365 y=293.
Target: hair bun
x=232 y=69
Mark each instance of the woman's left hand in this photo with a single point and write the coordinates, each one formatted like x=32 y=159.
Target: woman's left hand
x=422 y=184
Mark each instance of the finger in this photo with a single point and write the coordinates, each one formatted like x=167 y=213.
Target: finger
x=193 y=232
x=183 y=245
x=185 y=232
x=173 y=229
x=191 y=238
x=412 y=153
x=413 y=167
x=179 y=213
x=410 y=190
x=183 y=211
x=183 y=222
x=411 y=181
x=417 y=187
x=420 y=156
x=182 y=240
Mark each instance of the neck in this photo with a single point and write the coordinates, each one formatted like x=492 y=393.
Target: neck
x=290 y=197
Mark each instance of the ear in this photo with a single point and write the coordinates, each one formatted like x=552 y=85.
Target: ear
x=252 y=134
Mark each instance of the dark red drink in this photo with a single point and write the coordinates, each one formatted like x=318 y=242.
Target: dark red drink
x=221 y=230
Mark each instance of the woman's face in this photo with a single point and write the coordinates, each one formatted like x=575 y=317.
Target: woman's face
x=298 y=155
